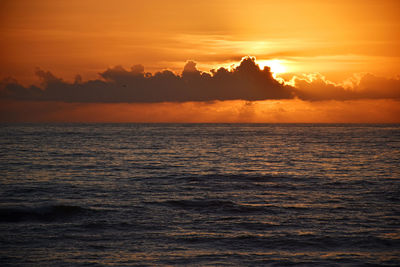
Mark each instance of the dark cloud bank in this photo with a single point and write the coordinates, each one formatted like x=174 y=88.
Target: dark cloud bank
x=247 y=82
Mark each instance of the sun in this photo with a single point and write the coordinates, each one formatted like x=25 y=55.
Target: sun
x=276 y=65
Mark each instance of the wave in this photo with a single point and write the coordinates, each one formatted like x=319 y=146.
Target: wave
x=288 y=241
x=41 y=213
x=214 y=206
x=252 y=178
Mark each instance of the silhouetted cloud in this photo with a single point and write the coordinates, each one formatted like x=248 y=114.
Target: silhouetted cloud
x=244 y=82
x=247 y=82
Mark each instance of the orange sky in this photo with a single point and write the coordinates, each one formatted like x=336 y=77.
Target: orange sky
x=338 y=39
x=283 y=111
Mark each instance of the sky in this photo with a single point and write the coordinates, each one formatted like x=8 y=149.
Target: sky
x=200 y=61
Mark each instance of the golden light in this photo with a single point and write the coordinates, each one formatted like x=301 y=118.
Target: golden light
x=276 y=65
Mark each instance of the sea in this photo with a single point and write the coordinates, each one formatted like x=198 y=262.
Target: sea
x=199 y=194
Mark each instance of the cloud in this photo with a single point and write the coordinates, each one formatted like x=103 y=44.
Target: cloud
x=247 y=82
x=316 y=87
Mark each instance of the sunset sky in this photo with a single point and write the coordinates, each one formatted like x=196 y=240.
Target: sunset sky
x=200 y=61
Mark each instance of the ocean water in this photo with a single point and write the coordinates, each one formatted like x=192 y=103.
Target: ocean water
x=199 y=194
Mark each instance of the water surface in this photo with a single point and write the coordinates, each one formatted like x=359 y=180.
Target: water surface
x=199 y=194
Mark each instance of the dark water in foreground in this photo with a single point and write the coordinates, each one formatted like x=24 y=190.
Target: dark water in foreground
x=201 y=194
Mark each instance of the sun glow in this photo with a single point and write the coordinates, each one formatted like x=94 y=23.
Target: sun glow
x=276 y=65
